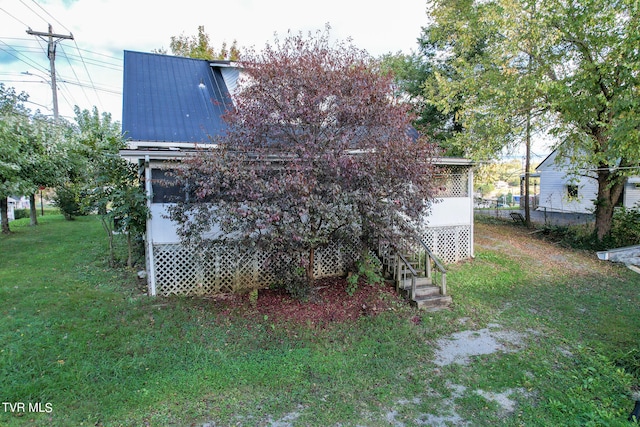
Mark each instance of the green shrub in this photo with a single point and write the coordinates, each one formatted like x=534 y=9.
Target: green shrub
x=573 y=236
x=290 y=274
x=369 y=268
x=67 y=199
x=625 y=230
x=21 y=213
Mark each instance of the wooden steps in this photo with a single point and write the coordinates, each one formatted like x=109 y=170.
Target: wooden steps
x=428 y=297
x=433 y=303
x=405 y=268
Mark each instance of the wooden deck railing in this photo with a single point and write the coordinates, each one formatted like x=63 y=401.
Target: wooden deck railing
x=431 y=258
x=402 y=269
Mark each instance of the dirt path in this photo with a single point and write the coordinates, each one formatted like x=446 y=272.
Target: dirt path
x=544 y=257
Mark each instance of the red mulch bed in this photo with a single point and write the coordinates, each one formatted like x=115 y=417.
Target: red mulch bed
x=328 y=303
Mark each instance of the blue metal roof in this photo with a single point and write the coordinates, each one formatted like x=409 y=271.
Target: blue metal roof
x=172 y=99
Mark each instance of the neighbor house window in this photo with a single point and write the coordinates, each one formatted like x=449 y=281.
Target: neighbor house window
x=572 y=192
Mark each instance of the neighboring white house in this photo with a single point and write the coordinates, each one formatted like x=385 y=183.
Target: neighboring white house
x=11 y=206
x=562 y=192
x=14 y=203
x=173 y=104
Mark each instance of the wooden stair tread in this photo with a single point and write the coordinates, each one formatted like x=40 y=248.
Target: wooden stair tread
x=433 y=303
x=420 y=282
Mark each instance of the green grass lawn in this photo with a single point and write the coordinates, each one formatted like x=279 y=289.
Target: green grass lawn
x=81 y=340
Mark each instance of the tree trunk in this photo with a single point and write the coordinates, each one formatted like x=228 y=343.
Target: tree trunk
x=33 y=210
x=108 y=230
x=310 y=277
x=4 y=215
x=527 y=166
x=527 y=162
x=609 y=191
x=130 y=250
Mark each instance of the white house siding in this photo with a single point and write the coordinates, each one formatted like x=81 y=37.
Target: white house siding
x=231 y=76
x=449 y=232
x=11 y=205
x=175 y=269
x=554 y=193
x=161 y=229
x=450 y=211
x=632 y=193
x=554 y=181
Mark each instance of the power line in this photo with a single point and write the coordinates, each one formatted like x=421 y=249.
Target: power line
x=51 y=54
x=13 y=17
x=21 y=81
x=98 y=88
x=76 y=76
x=24 y=53
x=28 y=62
x=73 y=101
x=23 y=39
x=79 y=53
x=39 y=105
x=96 y=62
x=33 y=11
x=27 y=49
x=24 y=49
x=118 y=59
x=18 y=77
x=88 y=75
x=50 y=15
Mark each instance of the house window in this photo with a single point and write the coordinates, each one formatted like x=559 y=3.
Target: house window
x=164 y=188
x=572 y=192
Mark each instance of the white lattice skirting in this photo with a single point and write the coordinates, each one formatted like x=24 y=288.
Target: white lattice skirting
x=450 y=244
x=181 y=271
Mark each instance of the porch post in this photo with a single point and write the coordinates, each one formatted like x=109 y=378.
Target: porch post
x=150 y=261
x=470 y=184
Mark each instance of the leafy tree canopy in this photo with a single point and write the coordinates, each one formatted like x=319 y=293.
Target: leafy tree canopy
x=108 y=184
x=31 y=154
x=199 y=47
x=571 y=66
x=410 y=74
x=14 y=135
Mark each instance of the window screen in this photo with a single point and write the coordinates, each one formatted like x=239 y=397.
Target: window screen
x=164 y=187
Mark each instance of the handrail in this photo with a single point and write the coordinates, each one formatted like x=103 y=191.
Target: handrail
x=414 y=273
x=409 y=269
x=433 y=257
x=439 y=266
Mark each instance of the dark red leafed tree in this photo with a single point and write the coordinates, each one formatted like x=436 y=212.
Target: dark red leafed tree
x=318 y=148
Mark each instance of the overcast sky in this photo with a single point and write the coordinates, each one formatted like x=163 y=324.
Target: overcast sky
x=89 y=67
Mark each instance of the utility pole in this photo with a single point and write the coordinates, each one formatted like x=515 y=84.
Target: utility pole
x=52 y=40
